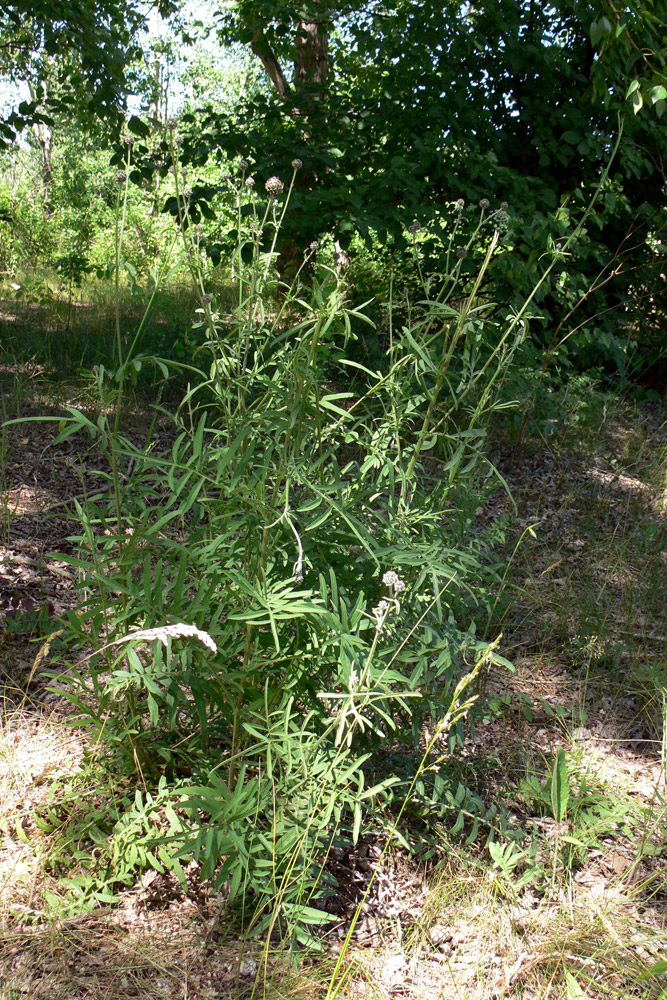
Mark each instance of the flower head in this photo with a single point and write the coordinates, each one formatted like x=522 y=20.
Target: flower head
x=297 y=163
x=314 y=246
x=274 y=186
x=504 y=206
x=484 y=204
x=207 y=299
x=461 y=253
x=121 y=176
x=501 y=220
x=460 y=204
x=243 y=166
x=172 y=124
x=250 y=182
x=380 y=613
x=393 y=581
x=414 y=227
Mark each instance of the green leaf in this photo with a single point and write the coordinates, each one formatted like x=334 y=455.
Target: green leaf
x=660 y=108
x=138 y=127
x=658 y=93
x=560 y=787
x=20 y=832
x=307 y=914
x=631 y=89
x=658 y=968
x=637 y=101
x=574 y=990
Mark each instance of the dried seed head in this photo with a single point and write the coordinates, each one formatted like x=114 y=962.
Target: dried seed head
x=414 y=228
x=121 y=176
x=172 y=124
x=274 y=186
x=243 y=166
x=187 y=191
x=484 y=204
x=504 y=206
x=460 y=204
x=297 y=163
x=250 y=182
x=207 y=299
x=166 y=632
x=461 y=253
x=314 y=246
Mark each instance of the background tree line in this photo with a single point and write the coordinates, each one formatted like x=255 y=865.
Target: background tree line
x=396 y=111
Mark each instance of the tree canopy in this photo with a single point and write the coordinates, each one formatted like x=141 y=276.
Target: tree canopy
x=76 y=55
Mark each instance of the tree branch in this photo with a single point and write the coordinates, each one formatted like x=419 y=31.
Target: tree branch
x=262 y=49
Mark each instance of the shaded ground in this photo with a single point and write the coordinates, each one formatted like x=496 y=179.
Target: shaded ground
x=587 y=632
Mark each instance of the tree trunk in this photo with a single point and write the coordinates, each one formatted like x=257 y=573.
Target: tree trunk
x=311 y=68
x=311 y=64
x=44 y=135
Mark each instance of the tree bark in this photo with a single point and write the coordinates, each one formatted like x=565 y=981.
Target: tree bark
x=311 y=68
x=311 y=64
x=263 y=50
x=44 y=136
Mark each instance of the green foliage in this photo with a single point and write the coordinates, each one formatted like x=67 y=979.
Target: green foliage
x=531 y=126
x=298 y=526
x=75 y=57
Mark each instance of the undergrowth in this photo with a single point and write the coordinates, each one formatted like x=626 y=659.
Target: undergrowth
x=282 y=620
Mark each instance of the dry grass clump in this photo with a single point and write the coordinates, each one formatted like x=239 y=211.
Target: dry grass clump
x=37 y=755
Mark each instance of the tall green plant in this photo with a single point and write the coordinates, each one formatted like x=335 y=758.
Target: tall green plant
x=317 y=536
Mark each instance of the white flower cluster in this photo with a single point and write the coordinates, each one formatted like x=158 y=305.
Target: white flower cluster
x=384 y=608
x=381 y=612
x=393 y=581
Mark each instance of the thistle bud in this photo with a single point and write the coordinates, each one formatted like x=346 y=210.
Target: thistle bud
x=274 y=186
